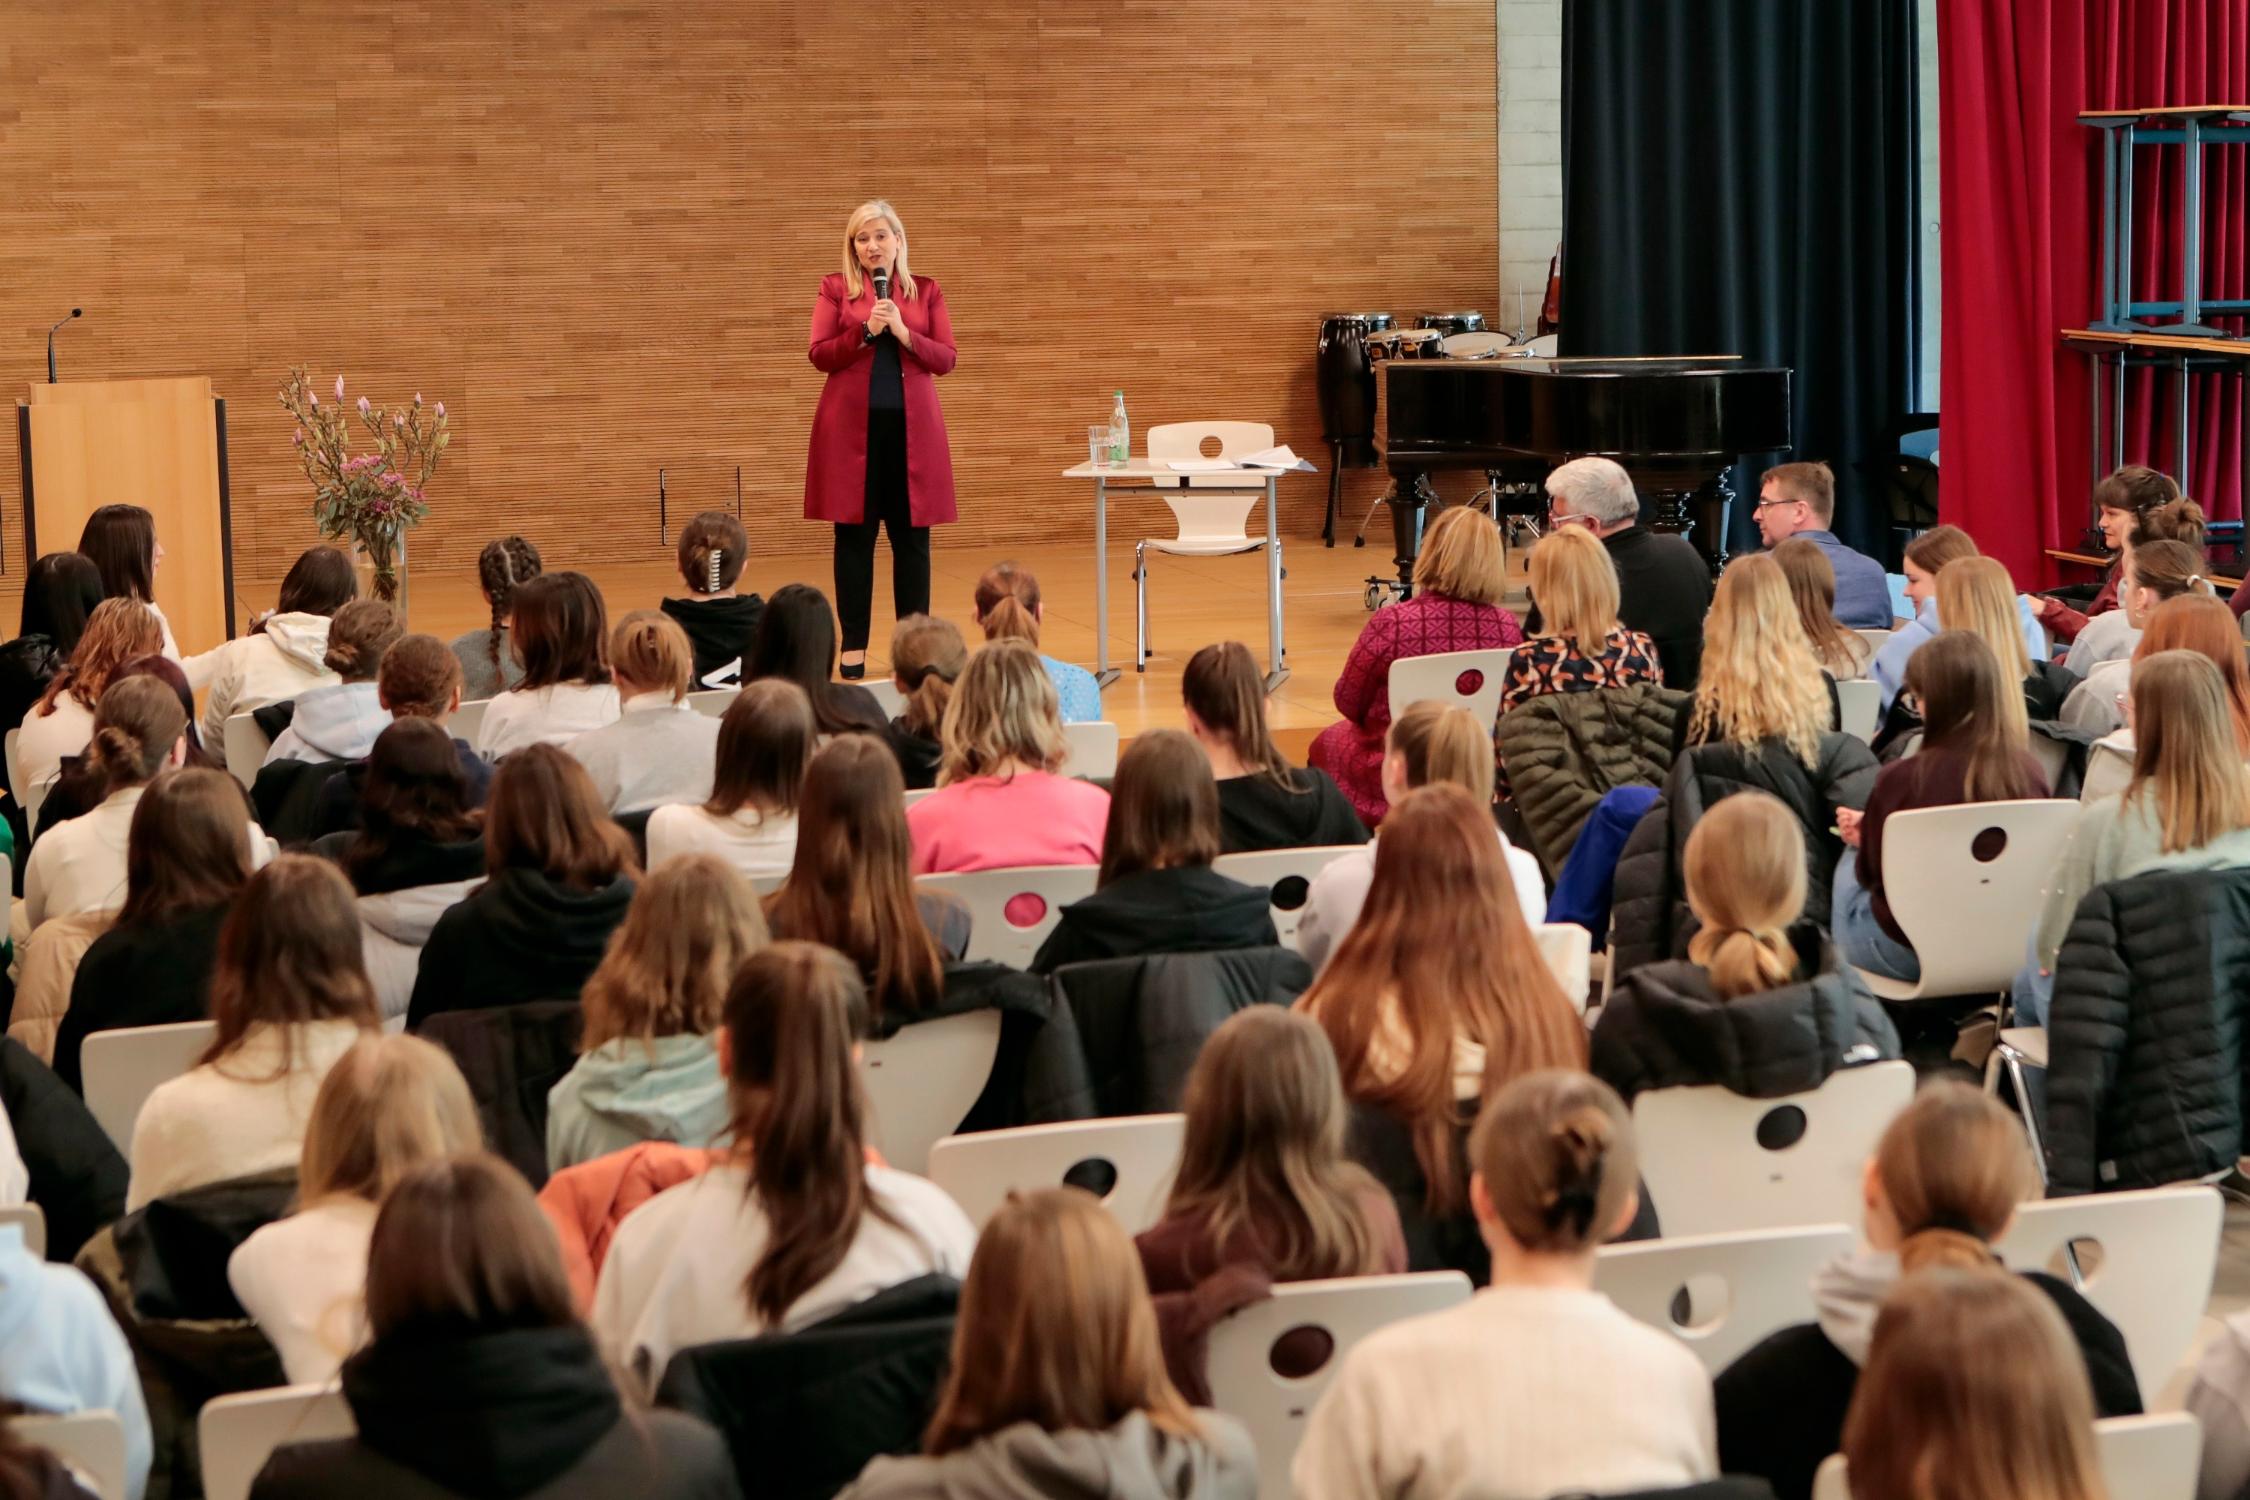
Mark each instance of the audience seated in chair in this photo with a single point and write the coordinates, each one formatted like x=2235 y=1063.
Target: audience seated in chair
x=60 y=591
x=285 y=652
x=2156 y=575
x=1430 y=743
x=2112 y=636
x=648 y=1069
x=1928 y=556
x=389 y=1105
x=1000 y=801
x=560 y=875
x=1540 y=1385
x=798 y=1223
x=77 y=1177
x=748 y=816
x=1974 y=749
x=1265 y=1190
x=478 y=1377
x=659 y=750
x=289 y=995
x=1762 y=1004
x=927 y=658
x=1799 y=500
x=340 y=721
x=2121 y=500
x=1460 y=579
x=1157 y=892
x=1975 y=594
x=1664 y=586
x=1583 y=647
x=1264 y=802
x=720 y=620
x=1080 y=1402
x=796 y=642
x=61 y=723
x=1942 y=1189
x=489 y=663
x=419 y=678
x=1843 y=653
x=561 y=630
x=1008 y=609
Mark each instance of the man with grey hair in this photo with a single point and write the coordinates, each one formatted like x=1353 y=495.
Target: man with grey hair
x=1663 y=584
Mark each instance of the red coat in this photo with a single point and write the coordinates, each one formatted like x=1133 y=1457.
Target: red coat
x=836 y=469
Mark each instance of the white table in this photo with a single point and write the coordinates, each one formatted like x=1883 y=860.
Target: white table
x=1139 y=473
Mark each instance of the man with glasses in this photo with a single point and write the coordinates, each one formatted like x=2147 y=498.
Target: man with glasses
x=1800 y=500
x=1663 y=584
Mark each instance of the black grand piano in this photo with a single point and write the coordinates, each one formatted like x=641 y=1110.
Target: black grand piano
x=1677 y=425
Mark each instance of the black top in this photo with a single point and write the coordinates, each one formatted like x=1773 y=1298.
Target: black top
x=720 y=630
x=918 y=756
x=407 y=865
x=1663 y=590
x=886 y=382
x=149 y=975
x=517 y=937
x=1256 y=814
x=27 y=664
x=339 y=799
x=1193 y=909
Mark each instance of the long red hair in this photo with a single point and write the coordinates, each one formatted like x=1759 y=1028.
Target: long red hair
x=2204 y=625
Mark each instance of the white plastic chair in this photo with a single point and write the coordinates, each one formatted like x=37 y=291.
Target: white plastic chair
x=2159 y=1252
x=28 y=796
x=713 y=703
x=2141 y=1458
x=1876 y=641
x=237 y=1434
x=1092 y=750
x=1765 y=1278
x=1286 y=874
x=887 y=694
x=93 y=1442
x=922 y=1082
x=467 y=720
x=32 y=1220
x=917 y=795
x=981 y=1170
x=246 y=746
x=1704 y=1166
x=993 y=933
x=122 y=1068
x=1969 y=921
x=1569 y=951
x=1463 y=679
x=1861 y=703
x=1245 y=1385
x=1213 y=519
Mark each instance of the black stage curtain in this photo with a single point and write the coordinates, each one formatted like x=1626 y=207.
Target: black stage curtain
x=1739 y=178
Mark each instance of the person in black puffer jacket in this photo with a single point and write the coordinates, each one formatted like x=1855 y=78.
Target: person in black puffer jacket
x=1762 y=1005
x=1943 y=1187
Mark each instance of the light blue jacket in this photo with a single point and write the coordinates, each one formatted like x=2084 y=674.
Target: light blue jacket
x=1889 y=667
x=1078 y=695
x=627 y=1091
x=61 y=1352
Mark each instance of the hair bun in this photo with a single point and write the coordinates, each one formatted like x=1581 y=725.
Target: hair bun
x=1581 y=1146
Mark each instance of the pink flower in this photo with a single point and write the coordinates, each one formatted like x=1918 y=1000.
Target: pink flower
x=417 y=398
x=398 y=419
x=313 y=397
x=363 y=405
x=339 y=388
x=441 y=408
x=299 y=440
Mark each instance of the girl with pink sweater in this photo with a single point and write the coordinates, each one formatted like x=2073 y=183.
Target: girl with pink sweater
x=999 y=801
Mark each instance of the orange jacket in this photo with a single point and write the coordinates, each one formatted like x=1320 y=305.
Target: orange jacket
x=587 y=1202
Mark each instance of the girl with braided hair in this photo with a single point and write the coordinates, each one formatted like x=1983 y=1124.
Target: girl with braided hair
x=488 y=660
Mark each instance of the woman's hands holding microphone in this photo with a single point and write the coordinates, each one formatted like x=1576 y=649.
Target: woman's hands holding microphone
x=885 y=316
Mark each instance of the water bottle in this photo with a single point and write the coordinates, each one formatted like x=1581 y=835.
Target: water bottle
x=1120 y=434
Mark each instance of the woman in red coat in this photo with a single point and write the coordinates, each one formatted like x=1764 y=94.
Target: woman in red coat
x=879 y=456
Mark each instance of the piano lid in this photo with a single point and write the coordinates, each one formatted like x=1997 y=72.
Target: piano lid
x=1444 y=413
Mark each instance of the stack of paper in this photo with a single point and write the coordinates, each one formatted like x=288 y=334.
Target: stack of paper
x=1268 y=458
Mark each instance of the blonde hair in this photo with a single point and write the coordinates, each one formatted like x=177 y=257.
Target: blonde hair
x=927 y=657
x=902 y=280
x=1953 y=1167
x=649 y=650
x=1443 y=742
x=2185 y=759
x=1462 y=558
x=1555 y=1152
x=692 y=923
x=1003 y=709
x=1812 y=583
x=389 y=1104
x=1576 y=586
x=1760 y=680
x=1745 y=871
x=1977 y=595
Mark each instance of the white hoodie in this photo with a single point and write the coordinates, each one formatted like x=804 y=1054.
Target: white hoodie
x=252 y=671
x=394 y=928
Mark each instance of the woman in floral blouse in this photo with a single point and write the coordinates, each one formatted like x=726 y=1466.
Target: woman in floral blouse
x=1583 y=647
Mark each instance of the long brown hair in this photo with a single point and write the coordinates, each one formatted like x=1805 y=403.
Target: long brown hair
x=1163 y=808
x=1444 y=742
x=2186 y=759
x=562 y=632
x=1555 y=1152
x=766 y=741
x=1973 y=1389
x=1760 y=680
x=1224 y=689
x=927 y=658
x=461 y=1248
x=1745 y=873
x=189 y=848
x=1972 y=709
x=414 y=793
x=1440 y=954
x=1007 y=600
x=119 y=630
x=544 y=814
x=289 y=954
x=665 y=973
x=388 y=1105
x=2206 y=626
x=1266 y=1151
x=136 y=725
x=1003 y=709
x=852 y=883
x=120 y=541
x=1953 y=1167
x=1812 y=584
x=793 y=1015
x=1055 y=1329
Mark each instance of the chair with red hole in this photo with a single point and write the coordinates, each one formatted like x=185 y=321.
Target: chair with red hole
x=1011 y=911
x=1465 y=679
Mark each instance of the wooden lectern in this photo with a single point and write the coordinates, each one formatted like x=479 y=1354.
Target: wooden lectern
x=158 y=444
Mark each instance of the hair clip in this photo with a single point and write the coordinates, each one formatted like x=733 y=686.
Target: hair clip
x=718 y=555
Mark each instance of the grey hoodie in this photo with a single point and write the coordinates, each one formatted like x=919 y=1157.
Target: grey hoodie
x=1132 y=1461
x=339 y=722
x=1847 y=1294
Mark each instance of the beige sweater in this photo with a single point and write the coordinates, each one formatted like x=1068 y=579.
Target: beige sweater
x=243 y=1114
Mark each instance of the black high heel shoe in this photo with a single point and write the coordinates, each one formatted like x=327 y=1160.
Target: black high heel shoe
x=852 y=672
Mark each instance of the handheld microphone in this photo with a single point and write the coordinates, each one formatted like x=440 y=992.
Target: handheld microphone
x=76 y=312
x=882 y=283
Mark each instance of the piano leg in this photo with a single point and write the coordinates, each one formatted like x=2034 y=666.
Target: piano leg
x=1678 y=511
x=1715 y=504
x=1409 y=501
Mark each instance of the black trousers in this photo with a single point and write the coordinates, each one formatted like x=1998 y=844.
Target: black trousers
x=885 y=508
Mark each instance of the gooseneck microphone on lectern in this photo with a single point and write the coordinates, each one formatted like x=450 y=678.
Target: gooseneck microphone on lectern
x=76 y=312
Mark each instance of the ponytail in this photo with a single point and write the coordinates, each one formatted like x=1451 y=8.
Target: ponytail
x=1952 y=1167
x=1007 y=600
x=136 y=725
x=1224 y=689
x=1745 y=872
x=1443 y=742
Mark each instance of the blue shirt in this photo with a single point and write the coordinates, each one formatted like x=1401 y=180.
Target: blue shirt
x=1889 y=667
x=1076 y=692
x=1863 y=593
x=61 y=1352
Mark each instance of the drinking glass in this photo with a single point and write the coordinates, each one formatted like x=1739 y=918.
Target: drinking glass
x=1097 y=446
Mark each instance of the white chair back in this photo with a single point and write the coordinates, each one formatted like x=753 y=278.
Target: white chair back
x=1569 y=951
x=1182 y=442
x=2144 y=1458
x=917 y=795
x=1738 y=1287
x=2109 y=768
x=1970 y=919
x=2159 y=1250
x=766 y=885
x=28 y=796
x=122 y=1068
x=1861 y=702
x=1245 y=1385
x=237 y=1434
x=1464 y=679
x=467 y=721
x=1704 y=1162
x=981 y=1170
x=1876 y=641
x=32 y=1220
x=2052 y=755
x=922 y=1081
x=1287 y=875
x=246 y=746
x=713 y=703
x=1092 y=750
x=92 y=1442
x=887 y=694
x=993 y=933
